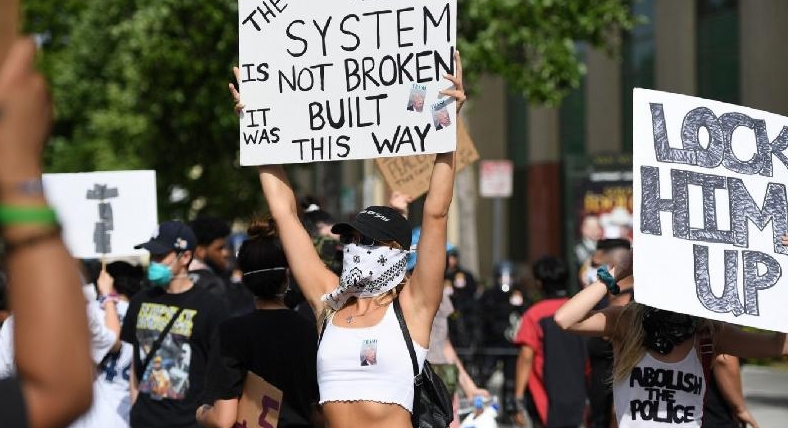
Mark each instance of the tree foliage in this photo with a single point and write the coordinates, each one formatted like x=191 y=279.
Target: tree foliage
x=532 y=43
x=142 y=84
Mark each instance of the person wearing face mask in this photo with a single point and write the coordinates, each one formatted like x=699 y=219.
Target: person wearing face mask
x=170 y=326
x=357 y=308
x=662 y=359
x=273 y=342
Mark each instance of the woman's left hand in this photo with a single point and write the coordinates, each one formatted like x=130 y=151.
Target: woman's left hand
x=458 y=92
x=785 y=240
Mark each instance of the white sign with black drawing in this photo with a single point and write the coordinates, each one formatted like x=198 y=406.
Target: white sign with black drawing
x=345 y=79
x=710 y=209
x=104 y=214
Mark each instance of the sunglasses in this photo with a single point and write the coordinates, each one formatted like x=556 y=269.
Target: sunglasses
x=359 y=239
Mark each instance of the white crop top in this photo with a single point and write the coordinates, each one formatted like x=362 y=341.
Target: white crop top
x=367 y=364
x=657 y=394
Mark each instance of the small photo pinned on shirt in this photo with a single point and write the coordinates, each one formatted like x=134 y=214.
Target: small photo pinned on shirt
x=369 y=352
x=440 y=116
x=416 y=98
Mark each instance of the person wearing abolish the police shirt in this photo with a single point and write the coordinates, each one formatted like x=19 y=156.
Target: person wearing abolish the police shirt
x=662 y=359
x=170 y=326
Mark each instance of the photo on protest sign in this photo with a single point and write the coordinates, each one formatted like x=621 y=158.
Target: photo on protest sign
x=104 y=214
x=710 y=209
x=345 y=79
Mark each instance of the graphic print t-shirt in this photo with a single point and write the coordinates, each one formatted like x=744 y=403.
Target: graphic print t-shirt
x=170 y=387
x=658 y=394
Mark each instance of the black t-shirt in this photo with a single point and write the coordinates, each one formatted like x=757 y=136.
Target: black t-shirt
x=13 y=411
x=236 y=297
x=278 y=345
x=717 y=413
x=170 y=387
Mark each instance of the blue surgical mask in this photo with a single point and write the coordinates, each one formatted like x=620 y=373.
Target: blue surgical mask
x=159 y=274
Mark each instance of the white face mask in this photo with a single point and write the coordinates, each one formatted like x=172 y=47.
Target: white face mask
x=367 y=271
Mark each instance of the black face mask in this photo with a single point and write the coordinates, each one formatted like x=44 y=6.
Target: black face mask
x=666 y=329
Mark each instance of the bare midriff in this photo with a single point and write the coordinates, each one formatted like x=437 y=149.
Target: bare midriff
x=365 y=414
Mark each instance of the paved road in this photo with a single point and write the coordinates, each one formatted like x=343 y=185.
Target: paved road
x=766 y=393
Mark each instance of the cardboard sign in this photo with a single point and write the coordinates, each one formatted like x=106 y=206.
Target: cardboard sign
x=495 y=178
x=345 y=79
x=710 y=208
x=259 y=404
x=411 y=174
x=9 y=25
x=104 y=213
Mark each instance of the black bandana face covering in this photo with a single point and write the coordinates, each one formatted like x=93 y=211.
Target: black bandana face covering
x=666 y=329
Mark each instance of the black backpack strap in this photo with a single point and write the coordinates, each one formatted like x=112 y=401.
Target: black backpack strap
x=157 y=344
x=408 y=340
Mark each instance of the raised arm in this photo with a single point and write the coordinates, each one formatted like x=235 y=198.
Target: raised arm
x=312 y=275
x=314 y=278
x=732 y=340
x=426 y=288
x=50 y=331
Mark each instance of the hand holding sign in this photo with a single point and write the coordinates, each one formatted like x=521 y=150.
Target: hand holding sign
x=458 y=92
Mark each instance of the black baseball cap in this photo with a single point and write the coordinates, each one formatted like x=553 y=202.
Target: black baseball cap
x=170 y=236
x=380 y=223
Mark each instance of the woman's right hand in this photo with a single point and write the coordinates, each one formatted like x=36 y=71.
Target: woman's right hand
x=239 y=106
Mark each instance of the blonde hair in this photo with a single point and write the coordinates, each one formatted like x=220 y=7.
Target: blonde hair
x=629 y=349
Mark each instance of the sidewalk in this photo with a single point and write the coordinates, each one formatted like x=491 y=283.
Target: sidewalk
x=766 y=394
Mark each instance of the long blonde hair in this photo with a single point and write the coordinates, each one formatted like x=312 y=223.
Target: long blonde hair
x=629 y=348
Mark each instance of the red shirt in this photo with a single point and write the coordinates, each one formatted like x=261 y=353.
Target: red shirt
x=530 y=334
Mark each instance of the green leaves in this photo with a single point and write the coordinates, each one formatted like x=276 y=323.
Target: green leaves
x=531 y=43
x=142 y=84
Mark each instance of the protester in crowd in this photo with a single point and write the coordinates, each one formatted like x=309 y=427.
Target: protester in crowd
x=606 y=251
x=441 y=353
x=646 y=339
x=170 y=326
x=273 y=342
x=356 y=308
x=590 y=232
x=43 y=395
x=464 y=325
x=211 y=265
x=551 y=362
x=111 y=402
x=502 y=307
x=609 y=254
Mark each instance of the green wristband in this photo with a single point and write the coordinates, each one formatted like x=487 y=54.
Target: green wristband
x=16 y=215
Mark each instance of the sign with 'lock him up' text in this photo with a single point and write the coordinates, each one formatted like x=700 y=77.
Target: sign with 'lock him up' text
x=710 y=209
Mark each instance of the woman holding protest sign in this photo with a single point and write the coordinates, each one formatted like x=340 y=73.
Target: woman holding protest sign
x=273 y=342
x=662 y=359
x=364 y=367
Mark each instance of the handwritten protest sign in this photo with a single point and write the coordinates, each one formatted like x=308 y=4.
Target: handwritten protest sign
x=104 y=213
x=411 y=174
x=260 y=403
x=710 y=209
x=345 y=79
x=9 y=22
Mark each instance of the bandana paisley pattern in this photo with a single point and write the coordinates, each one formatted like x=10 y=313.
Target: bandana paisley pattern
x=367 y=271
x=665 y=329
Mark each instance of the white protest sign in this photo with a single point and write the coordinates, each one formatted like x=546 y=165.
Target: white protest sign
x=710 y=208
x=345 y=79
x=104 y=213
